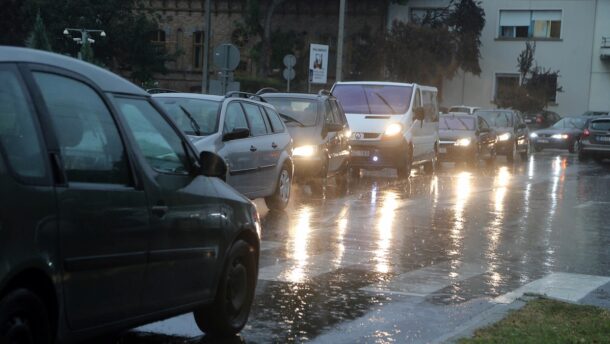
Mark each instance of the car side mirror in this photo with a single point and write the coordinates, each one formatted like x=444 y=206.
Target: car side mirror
x=334 y=127
x=237 y=133
x=419 y=114
x=212 y=165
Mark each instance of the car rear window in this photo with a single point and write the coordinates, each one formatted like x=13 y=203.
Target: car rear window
x=304 y=111
x=600 y=125
x=374 y=99
x=456 y=123
x=570 y=123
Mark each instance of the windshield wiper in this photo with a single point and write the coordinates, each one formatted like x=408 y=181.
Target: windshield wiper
x=194 y=123
x=291 y=119
x=385 y=101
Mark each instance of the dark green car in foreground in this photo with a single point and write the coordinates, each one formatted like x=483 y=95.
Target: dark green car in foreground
x=108 y=218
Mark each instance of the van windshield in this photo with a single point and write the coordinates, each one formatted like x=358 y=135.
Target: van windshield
x=374 y=99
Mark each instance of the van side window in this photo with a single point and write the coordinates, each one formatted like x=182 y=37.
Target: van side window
x=92 y=150
x=18 y=135
x=417 y=100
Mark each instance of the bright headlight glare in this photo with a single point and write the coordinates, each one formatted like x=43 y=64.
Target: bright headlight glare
x=560 y=136
x=504 y=137
x=533 y=135
x=393 y=129
x=462 y=142
x=348 y=133
x=305 y=151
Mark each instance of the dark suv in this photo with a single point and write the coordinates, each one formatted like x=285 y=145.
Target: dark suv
x=321 y=135
x=108 y=218
x=512 y=133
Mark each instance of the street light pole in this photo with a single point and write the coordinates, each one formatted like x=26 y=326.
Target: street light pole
x=84 y=37
x=206 y=47
x=339 y=71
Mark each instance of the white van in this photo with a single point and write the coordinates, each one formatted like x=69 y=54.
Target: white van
x=394 y=125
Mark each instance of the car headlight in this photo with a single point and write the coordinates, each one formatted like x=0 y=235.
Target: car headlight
x=504 y=137
x=533 y=135
x=393 y=129
x=560 y=136
x=257 y=222
x=305 y=151
x=347 y=133
x=463 y=142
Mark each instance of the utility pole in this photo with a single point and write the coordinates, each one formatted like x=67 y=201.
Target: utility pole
x=339 y=70
x=206 y=47
x=84 y=37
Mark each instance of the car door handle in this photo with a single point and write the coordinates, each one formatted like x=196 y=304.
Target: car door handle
x=252 y=149
x=274 y=145
x=159 y=210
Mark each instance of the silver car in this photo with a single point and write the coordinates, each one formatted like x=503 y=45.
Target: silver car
x=248 y=134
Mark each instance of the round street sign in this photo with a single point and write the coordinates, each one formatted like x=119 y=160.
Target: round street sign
x=226 y=56
x=290 y=60
x=289 y=74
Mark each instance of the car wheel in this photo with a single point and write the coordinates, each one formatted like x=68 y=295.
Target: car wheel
x=229 y=312
x=279 y=200
x=492 y=156
x=318 y=184
x=473 y=160
x=404 y=171
x=510 y=156
x=342 y=181
x=430 y=166
x=526 y=154
x=24 y=319
x=582 y=156
x=598 y=160
x=574 y=147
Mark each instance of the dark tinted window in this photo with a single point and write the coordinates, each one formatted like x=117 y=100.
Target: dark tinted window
x=570 y=123
x=483 y=123
x=374 y=99
x=204 y=113
x=457 y=123
x=256 y=120
x=156 y=139
x=276 y=123
x=337 y=112
x=497 y=119
x=234 y=118
x=601 y=125
x=303 y=110
x=328 y=113
x=18 y=135
x=91 y=148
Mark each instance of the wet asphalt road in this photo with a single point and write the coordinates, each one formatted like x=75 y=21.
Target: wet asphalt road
x=403 y=261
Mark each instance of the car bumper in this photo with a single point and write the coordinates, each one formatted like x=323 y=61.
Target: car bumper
x=595 y=150
x=378 y=154
x=451 y=152
x=307 y=168
x=552 y=143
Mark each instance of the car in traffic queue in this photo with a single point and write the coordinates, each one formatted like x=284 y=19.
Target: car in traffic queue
x=394 y=125
x=595 y=113
x=320 y=134
x=466 y=138
x=247 y=133
x=595 y=141
x=463 y=109
x=109 y=218
x=541 y=120
x=512 y=133
x=565 y=134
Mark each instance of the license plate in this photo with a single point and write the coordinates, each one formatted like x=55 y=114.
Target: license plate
x=361 y=153
x=543 y=141
x=603 y=138
x=528 y=121
x=442 y=150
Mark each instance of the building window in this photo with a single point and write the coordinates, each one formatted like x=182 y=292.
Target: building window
x=157 y=38
x=530 y=24
x=504 y=84
x=552 y=87
x=198 y=49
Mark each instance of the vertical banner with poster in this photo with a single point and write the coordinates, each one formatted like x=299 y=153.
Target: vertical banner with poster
x=318 y=63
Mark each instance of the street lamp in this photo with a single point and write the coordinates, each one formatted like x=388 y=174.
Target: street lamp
x=84 y=36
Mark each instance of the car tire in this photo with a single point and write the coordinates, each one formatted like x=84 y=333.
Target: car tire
x=473 y=160
x=319 y=183
x=526 y=154
x=229 y=312
x=342 y=181
x=598 y=160
x=430 y=166
x=404 y=171
x=492 y=156
x=510 y=156
x=24 y=319
x=574 y=147
x=582 y=156
x=280 y=198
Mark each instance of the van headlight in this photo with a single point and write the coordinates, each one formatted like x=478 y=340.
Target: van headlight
x=393 y=129
x=504 y=137
x=305 y=151
x=533 y=135
x=463 y=142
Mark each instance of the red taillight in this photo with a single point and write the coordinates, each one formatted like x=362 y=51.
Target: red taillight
x=538 y=119
x=586 y=133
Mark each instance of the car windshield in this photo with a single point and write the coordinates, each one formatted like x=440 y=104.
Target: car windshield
x=456 y=123
x=601 y=125
x=304 y=111
x=570 y=123
x=186 y=110
x=595 y=113
x=497 y=119
x=374 y=99
x=459 y=109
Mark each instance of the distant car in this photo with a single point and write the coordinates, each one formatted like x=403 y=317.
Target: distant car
x=541 y=120
x=512 y=133
x=463 y=108
x=321 y=136
x=595 y=142
x=248 y=134
x=109 y=219
x=466 y=138
x=565 y=134
x=595 y=113
x=394 y=125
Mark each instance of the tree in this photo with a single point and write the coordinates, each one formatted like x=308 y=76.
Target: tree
x=259 y=24
x=38 y=37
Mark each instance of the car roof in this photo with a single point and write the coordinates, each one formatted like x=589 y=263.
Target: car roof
x=385 y=83
x=293 y=95
x=188 y=95
x=494 y=110
x=104 y=79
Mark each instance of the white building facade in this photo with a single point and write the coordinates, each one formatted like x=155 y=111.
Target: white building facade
x=572 y=36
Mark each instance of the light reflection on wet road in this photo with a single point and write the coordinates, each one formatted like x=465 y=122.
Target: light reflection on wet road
x=440 y=241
